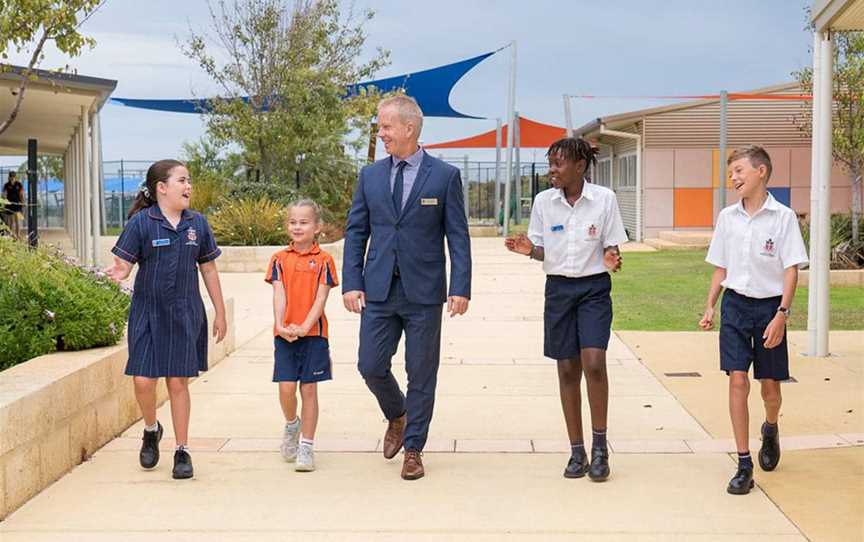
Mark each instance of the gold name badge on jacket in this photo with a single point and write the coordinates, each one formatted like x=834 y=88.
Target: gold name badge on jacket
x=429 y=201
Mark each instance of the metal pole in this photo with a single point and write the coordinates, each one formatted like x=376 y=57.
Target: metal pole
x=533 y=180
x=45 y=203
x=122 y=196
x=568 y=116
x=724 y=101
x=465 y=185
x=518 y=145
x=511 y=110
x=825 y=163
x=497 y=169
x=813 y=282
x=32 y=193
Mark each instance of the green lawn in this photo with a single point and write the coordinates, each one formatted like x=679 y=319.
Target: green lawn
x=665 y=291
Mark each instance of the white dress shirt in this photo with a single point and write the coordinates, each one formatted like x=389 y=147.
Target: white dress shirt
x=755 y=250
x=573 y=237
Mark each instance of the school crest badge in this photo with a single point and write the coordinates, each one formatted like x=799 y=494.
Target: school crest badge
x=769 y=248
x=592 y=231
x=192 y=237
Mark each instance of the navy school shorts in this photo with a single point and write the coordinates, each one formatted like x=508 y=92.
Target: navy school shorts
x=305 y=360
x=577 y=314
x=742 y=322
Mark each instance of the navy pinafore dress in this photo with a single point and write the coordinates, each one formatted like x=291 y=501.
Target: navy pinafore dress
x=167 y=323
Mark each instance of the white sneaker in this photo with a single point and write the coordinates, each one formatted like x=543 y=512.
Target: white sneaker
x=290 y=440
x=305 y=459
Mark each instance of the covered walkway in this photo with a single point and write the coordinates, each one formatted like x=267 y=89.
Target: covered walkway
x=59 y=116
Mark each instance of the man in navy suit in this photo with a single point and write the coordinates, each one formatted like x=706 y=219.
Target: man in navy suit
x=404 y=206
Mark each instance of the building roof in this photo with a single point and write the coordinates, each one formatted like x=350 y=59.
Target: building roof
x=51 y=110
x=837 y=15
x=623 y=119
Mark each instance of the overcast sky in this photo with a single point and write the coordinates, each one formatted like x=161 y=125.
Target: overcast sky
x=625 y=47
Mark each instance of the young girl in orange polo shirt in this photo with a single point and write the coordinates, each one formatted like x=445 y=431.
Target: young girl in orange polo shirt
x=302 y=275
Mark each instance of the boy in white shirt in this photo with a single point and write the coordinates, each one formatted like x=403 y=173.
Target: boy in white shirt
x=575 y=231
x=756 y=250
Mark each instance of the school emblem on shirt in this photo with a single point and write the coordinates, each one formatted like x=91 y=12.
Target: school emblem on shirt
x=311 y=264
x=768 y=248
x=192 y=237
x=592 y=231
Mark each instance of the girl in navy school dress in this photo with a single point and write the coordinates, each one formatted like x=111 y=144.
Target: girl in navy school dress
x=167 y=324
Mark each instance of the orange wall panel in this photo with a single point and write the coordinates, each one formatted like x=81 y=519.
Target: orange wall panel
x=693 y=208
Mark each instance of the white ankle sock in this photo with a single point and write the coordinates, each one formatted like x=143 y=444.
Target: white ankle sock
x=152 y=428
x=307 y=442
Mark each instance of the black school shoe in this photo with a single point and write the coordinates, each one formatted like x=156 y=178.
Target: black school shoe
x=769 y=453
x=577 y=466
x=742 y=482
x=599 y=469
x=182 y=465
x=149 y=454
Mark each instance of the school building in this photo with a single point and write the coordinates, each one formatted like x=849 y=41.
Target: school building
x=664 y=162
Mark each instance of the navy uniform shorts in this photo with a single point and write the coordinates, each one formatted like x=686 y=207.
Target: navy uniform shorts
x=742 y=323
x=577 y=314
x=305 y=360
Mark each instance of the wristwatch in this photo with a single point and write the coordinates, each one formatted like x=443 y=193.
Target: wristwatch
x=786 y=312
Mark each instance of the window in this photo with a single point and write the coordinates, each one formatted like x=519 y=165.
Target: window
x=604 y=172
x=627 y=171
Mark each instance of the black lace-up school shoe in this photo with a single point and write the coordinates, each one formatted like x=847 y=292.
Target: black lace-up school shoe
x=182 y=465
x=769 y=453
x=742 y=482
x=577 y=466
x=599 y=469
x=149 y=454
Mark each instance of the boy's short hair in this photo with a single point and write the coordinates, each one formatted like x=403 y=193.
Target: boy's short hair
x=756 y=154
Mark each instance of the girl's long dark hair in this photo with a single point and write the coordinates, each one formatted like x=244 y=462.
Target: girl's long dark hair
x=157 y=173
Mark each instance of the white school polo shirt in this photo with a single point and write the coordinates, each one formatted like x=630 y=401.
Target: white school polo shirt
x=573 y=237
x=756 y=250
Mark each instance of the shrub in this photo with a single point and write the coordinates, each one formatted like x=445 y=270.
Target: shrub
x=844 y=253
x=49 y=303
x=249 y=222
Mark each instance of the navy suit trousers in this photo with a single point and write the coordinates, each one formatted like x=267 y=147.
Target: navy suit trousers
x=381 y=326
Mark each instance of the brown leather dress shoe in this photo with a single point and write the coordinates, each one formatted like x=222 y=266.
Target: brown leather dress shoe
x=393 y=437
x=412 y=468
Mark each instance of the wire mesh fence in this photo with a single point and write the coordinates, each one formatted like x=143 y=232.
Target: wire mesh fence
x=122 y=180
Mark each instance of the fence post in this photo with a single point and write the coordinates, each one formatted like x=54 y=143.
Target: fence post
x=122 y=196
x=465 y=187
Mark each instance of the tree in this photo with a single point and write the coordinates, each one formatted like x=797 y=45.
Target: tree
x=847 y=125
x=27 y=26
x=47 y=167
x=282 y=89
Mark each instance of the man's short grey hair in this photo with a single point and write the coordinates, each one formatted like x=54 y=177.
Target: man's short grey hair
x=407 y=108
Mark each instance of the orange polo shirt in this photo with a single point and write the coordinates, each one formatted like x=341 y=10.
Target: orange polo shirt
x=301 y=273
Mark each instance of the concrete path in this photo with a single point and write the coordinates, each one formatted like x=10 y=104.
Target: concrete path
x=494 y=461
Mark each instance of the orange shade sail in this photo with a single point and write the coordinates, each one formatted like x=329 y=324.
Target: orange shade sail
x=532 y=134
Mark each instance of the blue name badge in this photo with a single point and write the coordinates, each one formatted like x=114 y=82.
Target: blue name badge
x=161 y=242
x=559 y=227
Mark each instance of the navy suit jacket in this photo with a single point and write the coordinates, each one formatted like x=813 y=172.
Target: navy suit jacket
x=415 y=238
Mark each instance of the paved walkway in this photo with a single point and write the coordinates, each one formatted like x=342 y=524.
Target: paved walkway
x=494 y=460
